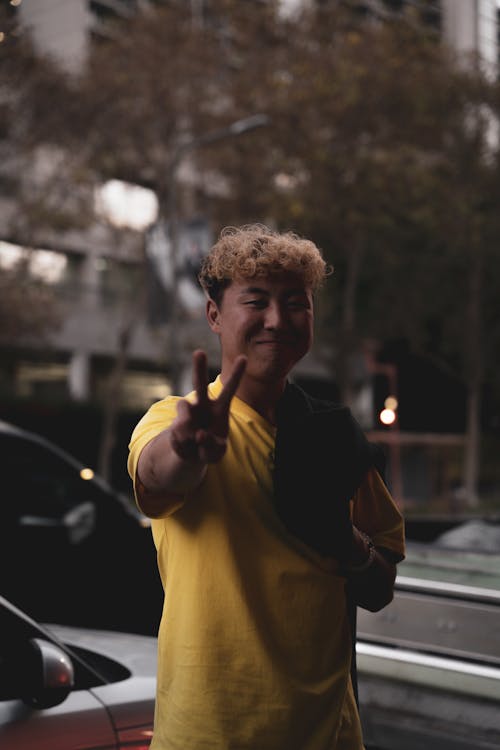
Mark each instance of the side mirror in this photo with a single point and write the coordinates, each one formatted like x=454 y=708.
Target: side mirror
x=47 y=674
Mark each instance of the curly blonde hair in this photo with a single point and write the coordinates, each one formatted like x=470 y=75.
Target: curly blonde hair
x=256 y=250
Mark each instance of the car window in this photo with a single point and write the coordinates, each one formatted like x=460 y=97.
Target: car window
x=41 y=482
x=61 y=543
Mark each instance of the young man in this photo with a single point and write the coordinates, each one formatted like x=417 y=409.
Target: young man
x=266 y=505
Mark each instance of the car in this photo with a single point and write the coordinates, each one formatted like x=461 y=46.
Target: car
x=73 y=550
x=70 y=688
x=429 y=662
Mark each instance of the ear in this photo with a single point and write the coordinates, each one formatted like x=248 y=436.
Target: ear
x=213 y=315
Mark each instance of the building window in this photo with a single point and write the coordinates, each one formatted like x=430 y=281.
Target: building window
x=44 y=380
x=42 y=265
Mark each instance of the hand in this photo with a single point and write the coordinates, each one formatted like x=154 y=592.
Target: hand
x=199 y=431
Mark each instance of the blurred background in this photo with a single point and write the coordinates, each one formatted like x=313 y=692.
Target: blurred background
x=132 y=131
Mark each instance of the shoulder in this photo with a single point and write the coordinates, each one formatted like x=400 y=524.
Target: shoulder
x=157 y=418
x=297 y=404
x=329 y=419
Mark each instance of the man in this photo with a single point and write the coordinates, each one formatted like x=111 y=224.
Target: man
x=266 y=505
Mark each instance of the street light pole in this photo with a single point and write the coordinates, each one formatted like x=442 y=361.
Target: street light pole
x=236 y=128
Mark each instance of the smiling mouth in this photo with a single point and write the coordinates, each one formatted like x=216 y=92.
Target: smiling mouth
x=274 y=342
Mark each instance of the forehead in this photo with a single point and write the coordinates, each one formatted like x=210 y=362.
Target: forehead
x=278 y=283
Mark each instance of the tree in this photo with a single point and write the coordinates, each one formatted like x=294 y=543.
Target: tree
x=30 y=182
x=389 y=174
x=411 y=170
x=143 y=123
x=46 y=190
x=393 y=177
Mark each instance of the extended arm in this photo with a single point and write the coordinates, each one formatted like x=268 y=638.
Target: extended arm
x=176 y=460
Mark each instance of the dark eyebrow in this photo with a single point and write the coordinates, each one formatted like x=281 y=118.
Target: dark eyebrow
x=259 y=290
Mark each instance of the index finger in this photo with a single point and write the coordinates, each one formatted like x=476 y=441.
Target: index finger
x=233 y=381
x=200 y=375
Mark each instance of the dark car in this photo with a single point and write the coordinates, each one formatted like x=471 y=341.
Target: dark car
x=66 y=688
x=72 y=549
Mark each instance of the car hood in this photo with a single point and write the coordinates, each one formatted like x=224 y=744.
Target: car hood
x=136 y=652
x=129 y=702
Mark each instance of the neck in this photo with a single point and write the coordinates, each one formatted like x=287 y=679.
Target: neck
x=261 y=395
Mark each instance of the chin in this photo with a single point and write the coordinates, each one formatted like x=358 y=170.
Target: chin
x=271 y=373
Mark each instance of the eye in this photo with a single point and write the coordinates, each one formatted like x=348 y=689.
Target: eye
x=298 y=303
x=259 y=303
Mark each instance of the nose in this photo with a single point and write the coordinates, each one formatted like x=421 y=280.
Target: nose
x=275 y=316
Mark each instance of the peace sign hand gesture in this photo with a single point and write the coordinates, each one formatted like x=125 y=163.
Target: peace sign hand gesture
x=199 y=431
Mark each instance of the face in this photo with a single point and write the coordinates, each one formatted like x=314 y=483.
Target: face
x=269 y=319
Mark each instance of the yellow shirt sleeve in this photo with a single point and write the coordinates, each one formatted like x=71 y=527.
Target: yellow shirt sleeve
x=376 y=513
x=158 y=417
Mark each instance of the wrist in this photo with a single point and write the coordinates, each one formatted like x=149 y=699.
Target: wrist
x=363 y=553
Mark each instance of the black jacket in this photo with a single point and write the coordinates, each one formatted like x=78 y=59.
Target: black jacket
x=321 y=458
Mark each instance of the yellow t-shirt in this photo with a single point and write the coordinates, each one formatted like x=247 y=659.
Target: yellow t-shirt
x=254 y=643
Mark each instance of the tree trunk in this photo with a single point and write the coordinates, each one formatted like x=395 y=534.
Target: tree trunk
x=112 y=403
x=347 y=337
